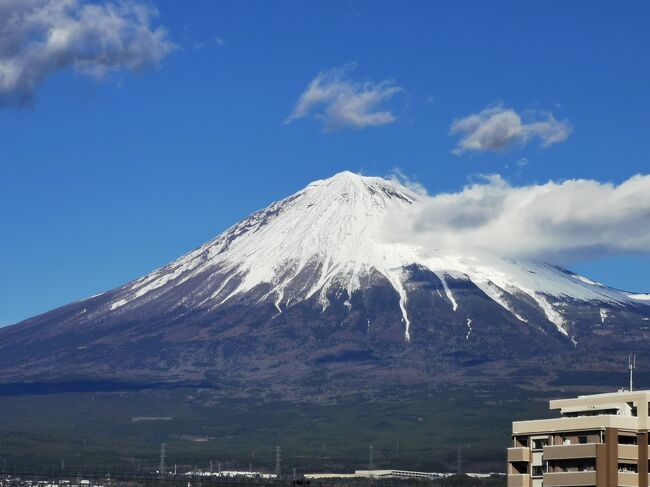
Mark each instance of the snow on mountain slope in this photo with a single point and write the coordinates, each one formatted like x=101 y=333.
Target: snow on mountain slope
x=330 y=234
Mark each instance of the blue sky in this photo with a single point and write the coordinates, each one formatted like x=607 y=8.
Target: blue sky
x=102 y=180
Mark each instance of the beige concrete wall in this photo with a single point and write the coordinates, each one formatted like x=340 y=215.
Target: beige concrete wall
x=569 y=479
x=628 y=451
x=518 y=480
x=628 y=479
x=570 y=451
x=573 y=424
x=639 y=398
x=519 y=454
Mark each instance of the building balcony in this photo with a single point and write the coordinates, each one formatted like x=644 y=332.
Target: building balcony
x=518 y=480
x=560 y=452
x=628 y=479
x=560 y=479
x=628 y=452
x=519 y=454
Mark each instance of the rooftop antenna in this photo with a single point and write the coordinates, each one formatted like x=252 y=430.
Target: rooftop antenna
x=631 y=365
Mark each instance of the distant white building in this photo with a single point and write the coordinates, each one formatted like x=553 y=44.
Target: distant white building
x=394 y=473
x=234 y=473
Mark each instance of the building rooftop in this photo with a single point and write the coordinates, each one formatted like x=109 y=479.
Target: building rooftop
x=623 y=409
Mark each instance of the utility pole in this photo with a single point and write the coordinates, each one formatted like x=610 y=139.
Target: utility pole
x=162 y=458
x=631 y=365
x=278 y=460
x=371 y=457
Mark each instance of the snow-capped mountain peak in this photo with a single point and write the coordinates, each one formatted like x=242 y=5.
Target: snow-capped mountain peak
x=331 y=235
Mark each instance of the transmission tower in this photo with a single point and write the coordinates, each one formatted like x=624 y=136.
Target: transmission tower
x=371 y=457
x=162 y=457
x=631 y=365
x=278 y=460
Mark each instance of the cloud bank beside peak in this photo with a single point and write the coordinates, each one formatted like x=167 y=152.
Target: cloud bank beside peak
x=559 y=222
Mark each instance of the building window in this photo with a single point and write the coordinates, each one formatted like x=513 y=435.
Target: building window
x=626 y=440
x=540 y=443
x=572 y=465
x=538 y=471
x=582 y=440
x=627 y=467
x=519 y=468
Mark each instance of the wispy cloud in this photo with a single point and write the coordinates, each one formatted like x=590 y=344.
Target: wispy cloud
x=563 y=221
x=340 y=102
x=497 y=128
x=40 y=37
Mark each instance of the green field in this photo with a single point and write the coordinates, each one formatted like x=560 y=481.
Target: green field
x=407 y=430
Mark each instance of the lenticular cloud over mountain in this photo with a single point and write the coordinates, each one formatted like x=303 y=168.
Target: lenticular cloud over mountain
x=554 y=221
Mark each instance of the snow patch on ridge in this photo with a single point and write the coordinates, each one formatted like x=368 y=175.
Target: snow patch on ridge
x=551 y=314
x=499 y=296
x=585 y=280
x=118 y=304
x=603 y=315
x=450 y=296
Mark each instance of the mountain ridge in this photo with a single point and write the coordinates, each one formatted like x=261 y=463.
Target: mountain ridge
x=314 y=273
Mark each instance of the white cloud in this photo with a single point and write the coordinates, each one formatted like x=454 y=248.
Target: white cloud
x=497 y=128
x=340 y=102
x=40 y=37
x=557 y=221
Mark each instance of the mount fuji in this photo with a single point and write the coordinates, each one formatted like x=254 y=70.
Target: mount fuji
x=309 y=293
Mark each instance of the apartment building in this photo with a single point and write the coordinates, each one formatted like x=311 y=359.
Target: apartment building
x=599 y=440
